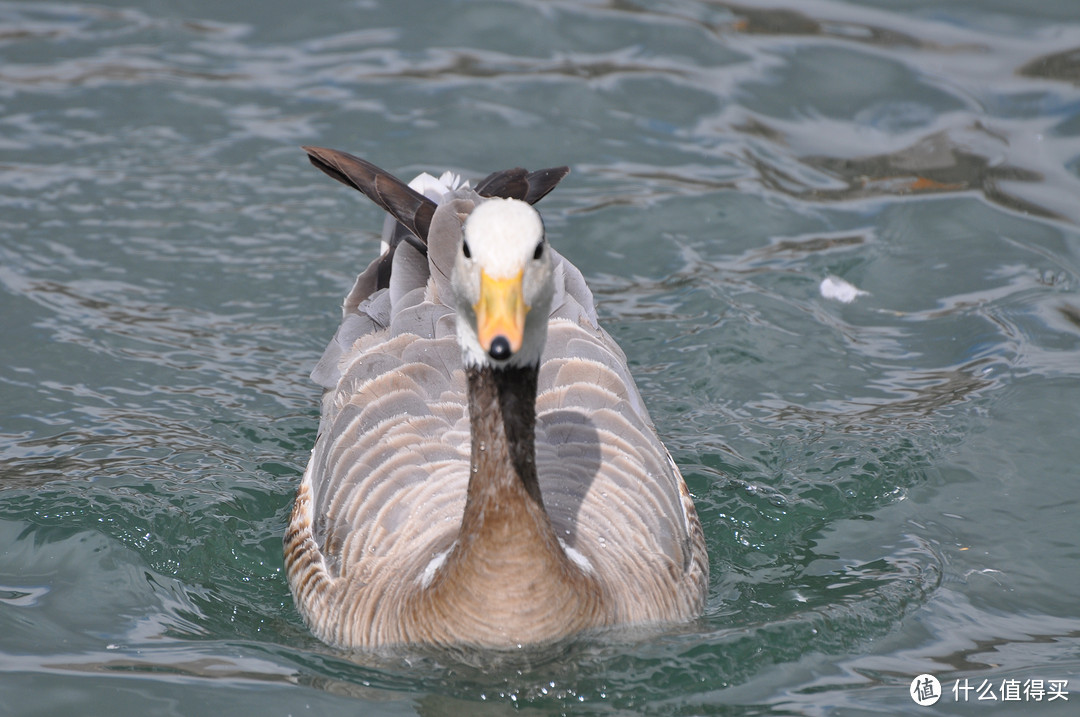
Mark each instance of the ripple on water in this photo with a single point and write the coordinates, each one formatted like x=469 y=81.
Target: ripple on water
x=170 y=270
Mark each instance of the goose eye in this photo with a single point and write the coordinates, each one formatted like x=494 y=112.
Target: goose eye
x=539 y=251
x=465 y=249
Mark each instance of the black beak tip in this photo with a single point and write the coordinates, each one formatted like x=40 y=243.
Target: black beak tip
x=500 y=348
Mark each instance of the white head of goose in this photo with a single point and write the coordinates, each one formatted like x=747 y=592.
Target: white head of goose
x=502 y=272
x=485 y=472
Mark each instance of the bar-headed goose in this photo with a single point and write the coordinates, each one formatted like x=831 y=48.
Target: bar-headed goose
x=485 y=471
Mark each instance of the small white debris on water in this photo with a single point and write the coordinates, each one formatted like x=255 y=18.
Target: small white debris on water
x=833 y=287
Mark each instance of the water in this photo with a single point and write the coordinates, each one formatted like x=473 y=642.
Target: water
x=888 y=486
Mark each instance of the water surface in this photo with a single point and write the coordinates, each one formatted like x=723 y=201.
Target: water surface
x=888 y=486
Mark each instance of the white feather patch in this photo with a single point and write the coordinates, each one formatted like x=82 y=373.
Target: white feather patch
x=581 y=561
x=436 y=189
x=429 y=570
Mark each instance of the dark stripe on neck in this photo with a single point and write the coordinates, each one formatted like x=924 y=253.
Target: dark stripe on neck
x=502 y=406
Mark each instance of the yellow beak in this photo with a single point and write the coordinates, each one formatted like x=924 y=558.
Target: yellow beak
x=500 y=311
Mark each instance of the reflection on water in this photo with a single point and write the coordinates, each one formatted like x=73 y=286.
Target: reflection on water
x=887 y=485
x=1063 y=66
x=929 y=392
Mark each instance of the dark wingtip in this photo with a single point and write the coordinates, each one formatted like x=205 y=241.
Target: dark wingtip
x=518 y=183
x=322 y=159
x=543 y=181
x=412 y=209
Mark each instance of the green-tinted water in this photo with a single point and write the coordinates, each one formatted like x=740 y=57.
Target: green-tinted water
x=888 y=486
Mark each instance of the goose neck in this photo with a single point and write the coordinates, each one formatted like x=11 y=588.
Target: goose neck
x=502 y=416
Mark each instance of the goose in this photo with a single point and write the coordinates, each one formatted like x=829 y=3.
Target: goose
x=485 y=473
